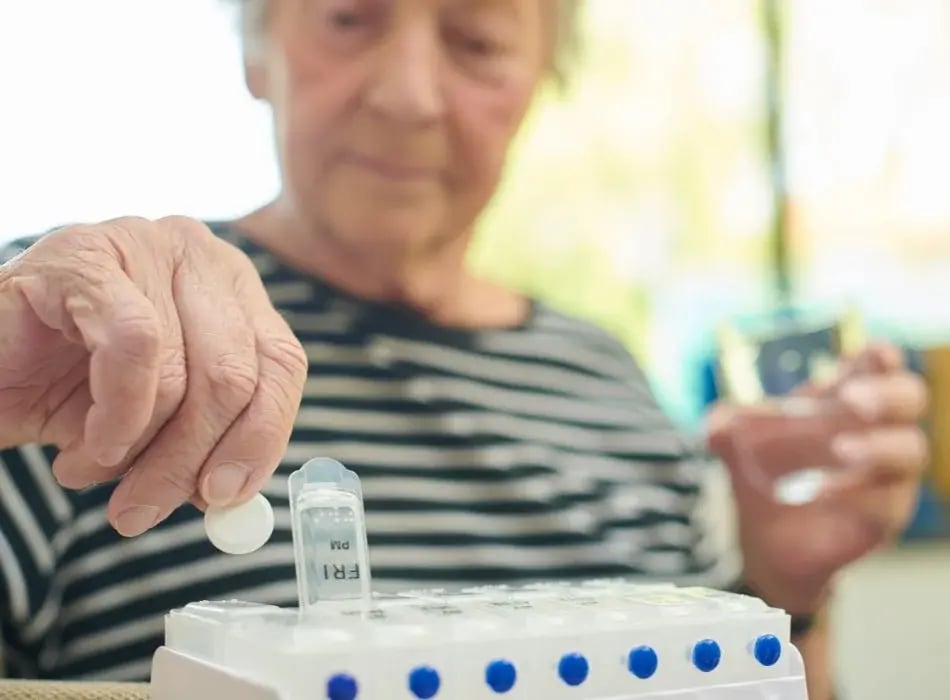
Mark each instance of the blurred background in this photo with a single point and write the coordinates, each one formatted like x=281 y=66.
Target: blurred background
x=764 y=162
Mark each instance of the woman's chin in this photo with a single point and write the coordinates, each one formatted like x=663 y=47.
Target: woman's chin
x=392 y=232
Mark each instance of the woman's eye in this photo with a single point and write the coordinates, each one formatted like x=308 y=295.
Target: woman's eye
x=345 y=19
x=479 y=46
x=343 y=25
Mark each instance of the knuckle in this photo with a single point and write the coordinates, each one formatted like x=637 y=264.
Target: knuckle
x=288 y=354
x=188 y=239
x=190 y=229
x=88 y=252
x=172 y=382
x=138 y=338
x=889 y=351
x=920 y=447
x=79 y=249
x=78 y=236
x=241 y=263
x=232 y=379
x=273 y=426
x=268 y=433
x=178 y=483
x=128 y=234
x=233 y=266
x=131 y=225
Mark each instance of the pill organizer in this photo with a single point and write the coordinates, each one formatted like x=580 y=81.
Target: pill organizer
x=588 y=640
x=591 y=641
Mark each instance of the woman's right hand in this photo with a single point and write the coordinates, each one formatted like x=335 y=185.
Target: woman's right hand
x=147 y=350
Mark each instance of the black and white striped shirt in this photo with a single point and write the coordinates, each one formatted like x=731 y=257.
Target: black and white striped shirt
x=530 y=453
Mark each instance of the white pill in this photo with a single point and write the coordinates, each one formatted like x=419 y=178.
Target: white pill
x=802 y=487
x=240 y=529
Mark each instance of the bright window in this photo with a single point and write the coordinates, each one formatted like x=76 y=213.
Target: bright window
x=114 y=107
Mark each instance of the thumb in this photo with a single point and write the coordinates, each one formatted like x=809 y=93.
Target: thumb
x=119 y=328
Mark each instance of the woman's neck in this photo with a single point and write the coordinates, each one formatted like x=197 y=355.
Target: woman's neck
x=436 y=286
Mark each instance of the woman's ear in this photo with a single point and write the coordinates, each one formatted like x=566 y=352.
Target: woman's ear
x=255 y=23
x=255 y=76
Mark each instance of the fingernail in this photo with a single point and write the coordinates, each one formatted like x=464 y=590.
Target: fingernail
x=225 y=482
x=862 y=399
x=135 y=520
x=850 y=450
x=113 y=456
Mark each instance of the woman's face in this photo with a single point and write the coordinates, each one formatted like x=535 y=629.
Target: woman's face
x=393 y=117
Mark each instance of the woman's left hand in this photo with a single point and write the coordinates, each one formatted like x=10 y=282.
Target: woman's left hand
x=792 y=553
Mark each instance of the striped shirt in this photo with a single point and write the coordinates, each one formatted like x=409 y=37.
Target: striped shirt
x=535 y=452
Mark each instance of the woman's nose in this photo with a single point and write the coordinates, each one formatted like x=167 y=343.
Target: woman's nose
x=405 y=83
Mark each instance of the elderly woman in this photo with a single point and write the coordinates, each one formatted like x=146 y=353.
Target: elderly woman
x=151 y=368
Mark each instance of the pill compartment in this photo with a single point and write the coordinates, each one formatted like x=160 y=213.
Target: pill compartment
x=329 y=532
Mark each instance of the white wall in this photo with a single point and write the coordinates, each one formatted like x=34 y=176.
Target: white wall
x=891 y=626
x=111 y=107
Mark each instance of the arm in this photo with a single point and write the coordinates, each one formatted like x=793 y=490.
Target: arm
x=811 y=634
x=814 y=646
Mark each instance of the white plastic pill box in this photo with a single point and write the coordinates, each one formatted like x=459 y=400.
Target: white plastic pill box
x=598 y=640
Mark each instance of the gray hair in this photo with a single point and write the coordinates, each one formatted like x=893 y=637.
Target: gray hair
x=566 y=43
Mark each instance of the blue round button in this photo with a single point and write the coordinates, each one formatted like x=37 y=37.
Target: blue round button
x=573 y=669
x=767 y=649
x=424 y=682
x=706 y=655
x=642 y=662
x=342 y=687
x=501 y=675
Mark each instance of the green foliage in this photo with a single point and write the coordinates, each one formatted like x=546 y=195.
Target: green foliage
x=617 y=192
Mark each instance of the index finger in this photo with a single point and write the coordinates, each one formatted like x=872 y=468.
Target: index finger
x=889 y=398
x=119 y=327
x=880 y=358
x=892 y=452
